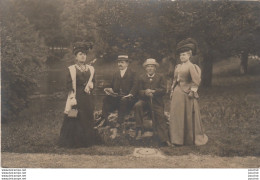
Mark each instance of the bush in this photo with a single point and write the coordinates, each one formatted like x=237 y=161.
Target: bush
x=23 y=54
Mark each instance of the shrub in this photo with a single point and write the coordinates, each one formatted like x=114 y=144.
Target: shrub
x=23 y=54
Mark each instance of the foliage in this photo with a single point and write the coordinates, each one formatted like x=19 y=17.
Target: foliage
x=45 y=17
x=152 y=28
x=147 y=28
x=23 y=53
x=142 y=29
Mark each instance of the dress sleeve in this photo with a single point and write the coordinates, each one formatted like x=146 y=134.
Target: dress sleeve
x=195 y=73
x=174 y=82
x=68 y=81
x=94 y=80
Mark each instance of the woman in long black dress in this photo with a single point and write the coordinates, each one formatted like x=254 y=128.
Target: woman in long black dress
x=79 y=131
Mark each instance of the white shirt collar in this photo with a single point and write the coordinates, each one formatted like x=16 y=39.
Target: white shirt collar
x=150 y=76
x=122 y=72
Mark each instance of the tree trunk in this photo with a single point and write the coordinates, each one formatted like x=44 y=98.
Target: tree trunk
x=206 y=68
x=243 y=62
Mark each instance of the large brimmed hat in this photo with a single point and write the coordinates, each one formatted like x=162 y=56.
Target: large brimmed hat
x=123 y=58
x=186 y=45
x=82 y=47
x=150 y=61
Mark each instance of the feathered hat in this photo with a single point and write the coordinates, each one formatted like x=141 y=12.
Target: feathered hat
x=82 y=47
x=186 y=45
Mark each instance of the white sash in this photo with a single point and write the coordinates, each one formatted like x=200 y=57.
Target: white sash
x=71 y=94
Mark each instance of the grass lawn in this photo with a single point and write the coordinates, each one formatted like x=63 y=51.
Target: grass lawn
x=230 y=113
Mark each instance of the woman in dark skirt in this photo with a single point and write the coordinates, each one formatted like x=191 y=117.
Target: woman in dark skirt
x=78 y=128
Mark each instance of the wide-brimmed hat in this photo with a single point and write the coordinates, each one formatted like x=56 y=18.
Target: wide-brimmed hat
x=187 y=45
x=123 y=58
x=150 y=61
x=82 y=47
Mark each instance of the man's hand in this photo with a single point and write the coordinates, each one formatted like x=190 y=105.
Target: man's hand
x=110 y=92
x=149 y=92
x=128 y=96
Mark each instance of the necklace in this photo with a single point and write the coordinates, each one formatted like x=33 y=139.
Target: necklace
x=82 y=68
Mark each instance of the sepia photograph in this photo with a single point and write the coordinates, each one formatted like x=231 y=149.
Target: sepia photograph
x=130 y=84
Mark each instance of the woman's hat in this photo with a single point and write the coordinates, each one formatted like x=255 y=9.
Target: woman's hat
x=150 y=61
x=186 y=45
x=82 y=47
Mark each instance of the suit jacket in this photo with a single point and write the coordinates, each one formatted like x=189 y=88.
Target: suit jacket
x=157 y=83
x=124 y=85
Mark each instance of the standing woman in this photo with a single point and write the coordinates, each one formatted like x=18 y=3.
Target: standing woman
x=185 y=120
x=78 y=125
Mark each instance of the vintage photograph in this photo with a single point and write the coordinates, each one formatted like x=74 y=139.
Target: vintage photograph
x=130 y=84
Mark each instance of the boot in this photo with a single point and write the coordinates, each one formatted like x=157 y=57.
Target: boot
x=102 y=122
x=138 y=134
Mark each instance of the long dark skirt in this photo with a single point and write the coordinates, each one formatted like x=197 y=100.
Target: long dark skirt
x=80 y=132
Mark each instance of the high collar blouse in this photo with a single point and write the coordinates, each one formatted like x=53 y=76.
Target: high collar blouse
x=188 y=76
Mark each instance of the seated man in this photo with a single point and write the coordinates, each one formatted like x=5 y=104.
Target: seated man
x=120 y=94
x=152 y=88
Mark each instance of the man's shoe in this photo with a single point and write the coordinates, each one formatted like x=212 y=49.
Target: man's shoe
x=138 y=135
x=114 y=133
x=101 y=123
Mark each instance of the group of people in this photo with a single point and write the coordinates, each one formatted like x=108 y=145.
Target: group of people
x=138 y=92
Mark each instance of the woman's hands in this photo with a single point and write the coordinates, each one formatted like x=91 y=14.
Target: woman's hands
x=73 y=101
x=88 y=87
x=193 y=94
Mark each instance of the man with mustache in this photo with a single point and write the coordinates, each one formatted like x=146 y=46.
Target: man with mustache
x=152 y=88
x=121 y=92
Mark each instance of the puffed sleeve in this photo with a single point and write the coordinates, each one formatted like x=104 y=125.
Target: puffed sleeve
x=195 y=73
x=68 y=81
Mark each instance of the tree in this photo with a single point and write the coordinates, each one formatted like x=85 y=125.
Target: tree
x=222 y=29
x=145 y=29
x=23 y=53
x=45 y=17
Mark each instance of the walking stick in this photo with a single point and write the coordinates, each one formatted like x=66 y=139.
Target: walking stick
x=152 y=111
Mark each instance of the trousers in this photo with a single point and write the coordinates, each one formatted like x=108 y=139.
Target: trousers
x=123 y=105
x=159 y=120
